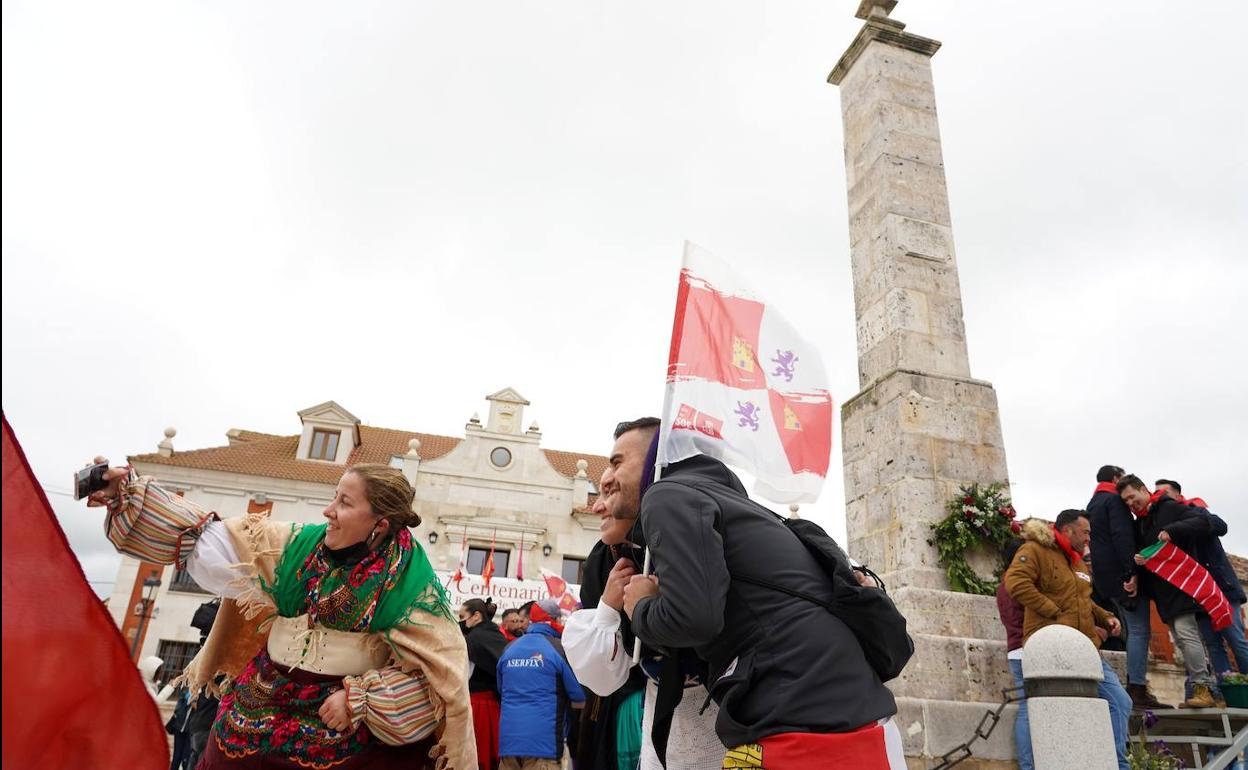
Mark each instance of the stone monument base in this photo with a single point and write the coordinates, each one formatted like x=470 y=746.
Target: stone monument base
x=957 y=674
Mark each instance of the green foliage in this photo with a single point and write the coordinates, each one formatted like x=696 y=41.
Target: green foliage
x=979 y=517
x=1231 y=677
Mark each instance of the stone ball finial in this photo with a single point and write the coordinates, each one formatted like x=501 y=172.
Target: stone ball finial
x=582 y=466
x=413 y=448
x=1061 y=652
x=165 y=448
x=475 y=417
x=533 y=428
x=793 y=509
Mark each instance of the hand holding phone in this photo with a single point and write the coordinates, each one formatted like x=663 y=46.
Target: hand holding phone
x=90 y=479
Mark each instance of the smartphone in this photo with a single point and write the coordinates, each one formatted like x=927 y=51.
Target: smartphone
x=89 y=479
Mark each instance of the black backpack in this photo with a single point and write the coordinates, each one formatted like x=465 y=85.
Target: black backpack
x=877 y=624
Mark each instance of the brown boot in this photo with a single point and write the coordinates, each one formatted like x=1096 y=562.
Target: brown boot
x=1142 y=699
x=1201 y=698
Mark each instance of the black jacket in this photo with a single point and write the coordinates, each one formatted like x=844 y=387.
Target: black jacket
x=777 y=663
x=485 y=644
x=1188 y=528
x=1113 y=544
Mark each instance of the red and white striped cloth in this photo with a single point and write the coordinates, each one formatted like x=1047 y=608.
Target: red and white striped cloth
x=1171 y=564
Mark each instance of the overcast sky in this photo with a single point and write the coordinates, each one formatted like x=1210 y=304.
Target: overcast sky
x=219 y=213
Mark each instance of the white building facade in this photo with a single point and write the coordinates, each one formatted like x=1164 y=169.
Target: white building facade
x=495 y=487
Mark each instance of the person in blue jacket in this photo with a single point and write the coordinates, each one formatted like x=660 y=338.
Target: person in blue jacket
x=538 y=690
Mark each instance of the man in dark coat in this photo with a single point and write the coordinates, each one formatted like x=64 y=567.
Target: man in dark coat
x=1212 y=556
x=792 y=683
x=1167 y=520
x=1114 y=545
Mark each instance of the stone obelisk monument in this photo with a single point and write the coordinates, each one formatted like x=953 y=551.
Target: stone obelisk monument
x=921 y=425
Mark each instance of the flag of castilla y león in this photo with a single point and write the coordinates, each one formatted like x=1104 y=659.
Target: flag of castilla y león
x=743 y=387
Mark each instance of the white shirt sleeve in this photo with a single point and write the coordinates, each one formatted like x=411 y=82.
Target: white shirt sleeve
x=591 y=640
x=214 y=562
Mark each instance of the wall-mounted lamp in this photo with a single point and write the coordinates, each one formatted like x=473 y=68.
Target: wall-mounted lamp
x=546 y=549
x=433 y=537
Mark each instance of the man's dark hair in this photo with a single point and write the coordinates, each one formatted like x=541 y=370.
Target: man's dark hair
x=524 y=608
x=1130 y=480
x=640 y=423
x=1069 y=516
x=1170 y=483
x=1010 y=549
x=1108 y=473
x=509 y=612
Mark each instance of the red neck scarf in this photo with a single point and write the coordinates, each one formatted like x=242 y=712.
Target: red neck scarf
x=1106 y=486
x=1063 y=542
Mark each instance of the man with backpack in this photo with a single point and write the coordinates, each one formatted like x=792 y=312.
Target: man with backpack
x=734 y=583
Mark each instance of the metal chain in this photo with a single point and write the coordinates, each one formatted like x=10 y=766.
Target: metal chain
x=991 y=718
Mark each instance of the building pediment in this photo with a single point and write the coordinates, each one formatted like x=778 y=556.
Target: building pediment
x=330 y=411
x=510 y=395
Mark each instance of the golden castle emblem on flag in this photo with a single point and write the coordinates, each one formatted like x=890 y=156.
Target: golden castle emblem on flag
x=742 y=355
x=790 y=419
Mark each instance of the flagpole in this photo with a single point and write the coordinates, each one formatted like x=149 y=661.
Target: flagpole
x=658 y=472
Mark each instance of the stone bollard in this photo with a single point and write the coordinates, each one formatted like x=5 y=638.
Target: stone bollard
x=1070 y=725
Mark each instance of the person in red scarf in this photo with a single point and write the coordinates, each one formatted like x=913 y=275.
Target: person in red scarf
x=1048 y=577
x=1114 y=546
x=1212 y=556
x=1163 y=519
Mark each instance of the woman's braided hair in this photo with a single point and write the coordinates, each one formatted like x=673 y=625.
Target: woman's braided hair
x=389 y=493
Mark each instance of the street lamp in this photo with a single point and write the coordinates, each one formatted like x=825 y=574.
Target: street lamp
x=144 y=609
x=433 y=537
x=546 y=549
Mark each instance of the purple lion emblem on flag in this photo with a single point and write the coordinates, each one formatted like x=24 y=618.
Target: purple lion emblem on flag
x=784 y=361
x=749 y=415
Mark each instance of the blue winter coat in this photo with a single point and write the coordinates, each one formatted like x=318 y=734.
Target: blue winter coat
x=537 y=688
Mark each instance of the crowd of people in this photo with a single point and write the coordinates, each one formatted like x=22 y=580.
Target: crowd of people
x=1101 y=569
x=335 y=646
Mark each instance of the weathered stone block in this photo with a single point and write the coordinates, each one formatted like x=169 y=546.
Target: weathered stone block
x=945 y=613
x=886 y=60
x=931 y=354
x=955 y=669
x=970 y=462
x=892 y=185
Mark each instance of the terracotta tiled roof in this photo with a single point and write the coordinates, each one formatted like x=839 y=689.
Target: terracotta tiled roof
x=1240 y=565
x=263 y=454
x=565 y=463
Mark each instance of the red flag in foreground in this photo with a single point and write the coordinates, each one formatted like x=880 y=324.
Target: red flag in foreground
x=743 y=386
x=72 y=697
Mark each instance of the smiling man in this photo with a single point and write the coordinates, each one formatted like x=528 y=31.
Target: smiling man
x=599 y=639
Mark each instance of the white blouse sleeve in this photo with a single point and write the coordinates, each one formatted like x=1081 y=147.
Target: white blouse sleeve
x=591 y=640
x=214 y=562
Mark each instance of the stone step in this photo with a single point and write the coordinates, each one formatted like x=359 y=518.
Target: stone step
x=946 y=613
x=955 y=669
x=930 y=728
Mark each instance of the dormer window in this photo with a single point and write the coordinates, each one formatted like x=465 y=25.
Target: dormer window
x=324 y=445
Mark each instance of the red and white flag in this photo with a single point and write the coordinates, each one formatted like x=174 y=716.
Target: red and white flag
x=743 y=387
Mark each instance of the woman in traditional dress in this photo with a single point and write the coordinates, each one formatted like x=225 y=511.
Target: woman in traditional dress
x=337 y=640
x=485 y=646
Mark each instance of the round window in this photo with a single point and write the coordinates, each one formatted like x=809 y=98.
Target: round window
x=501 y=457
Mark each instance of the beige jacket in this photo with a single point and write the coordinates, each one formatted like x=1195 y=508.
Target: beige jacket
x=1051 y=589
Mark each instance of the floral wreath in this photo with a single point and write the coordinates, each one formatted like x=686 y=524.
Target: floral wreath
x=978 y=517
